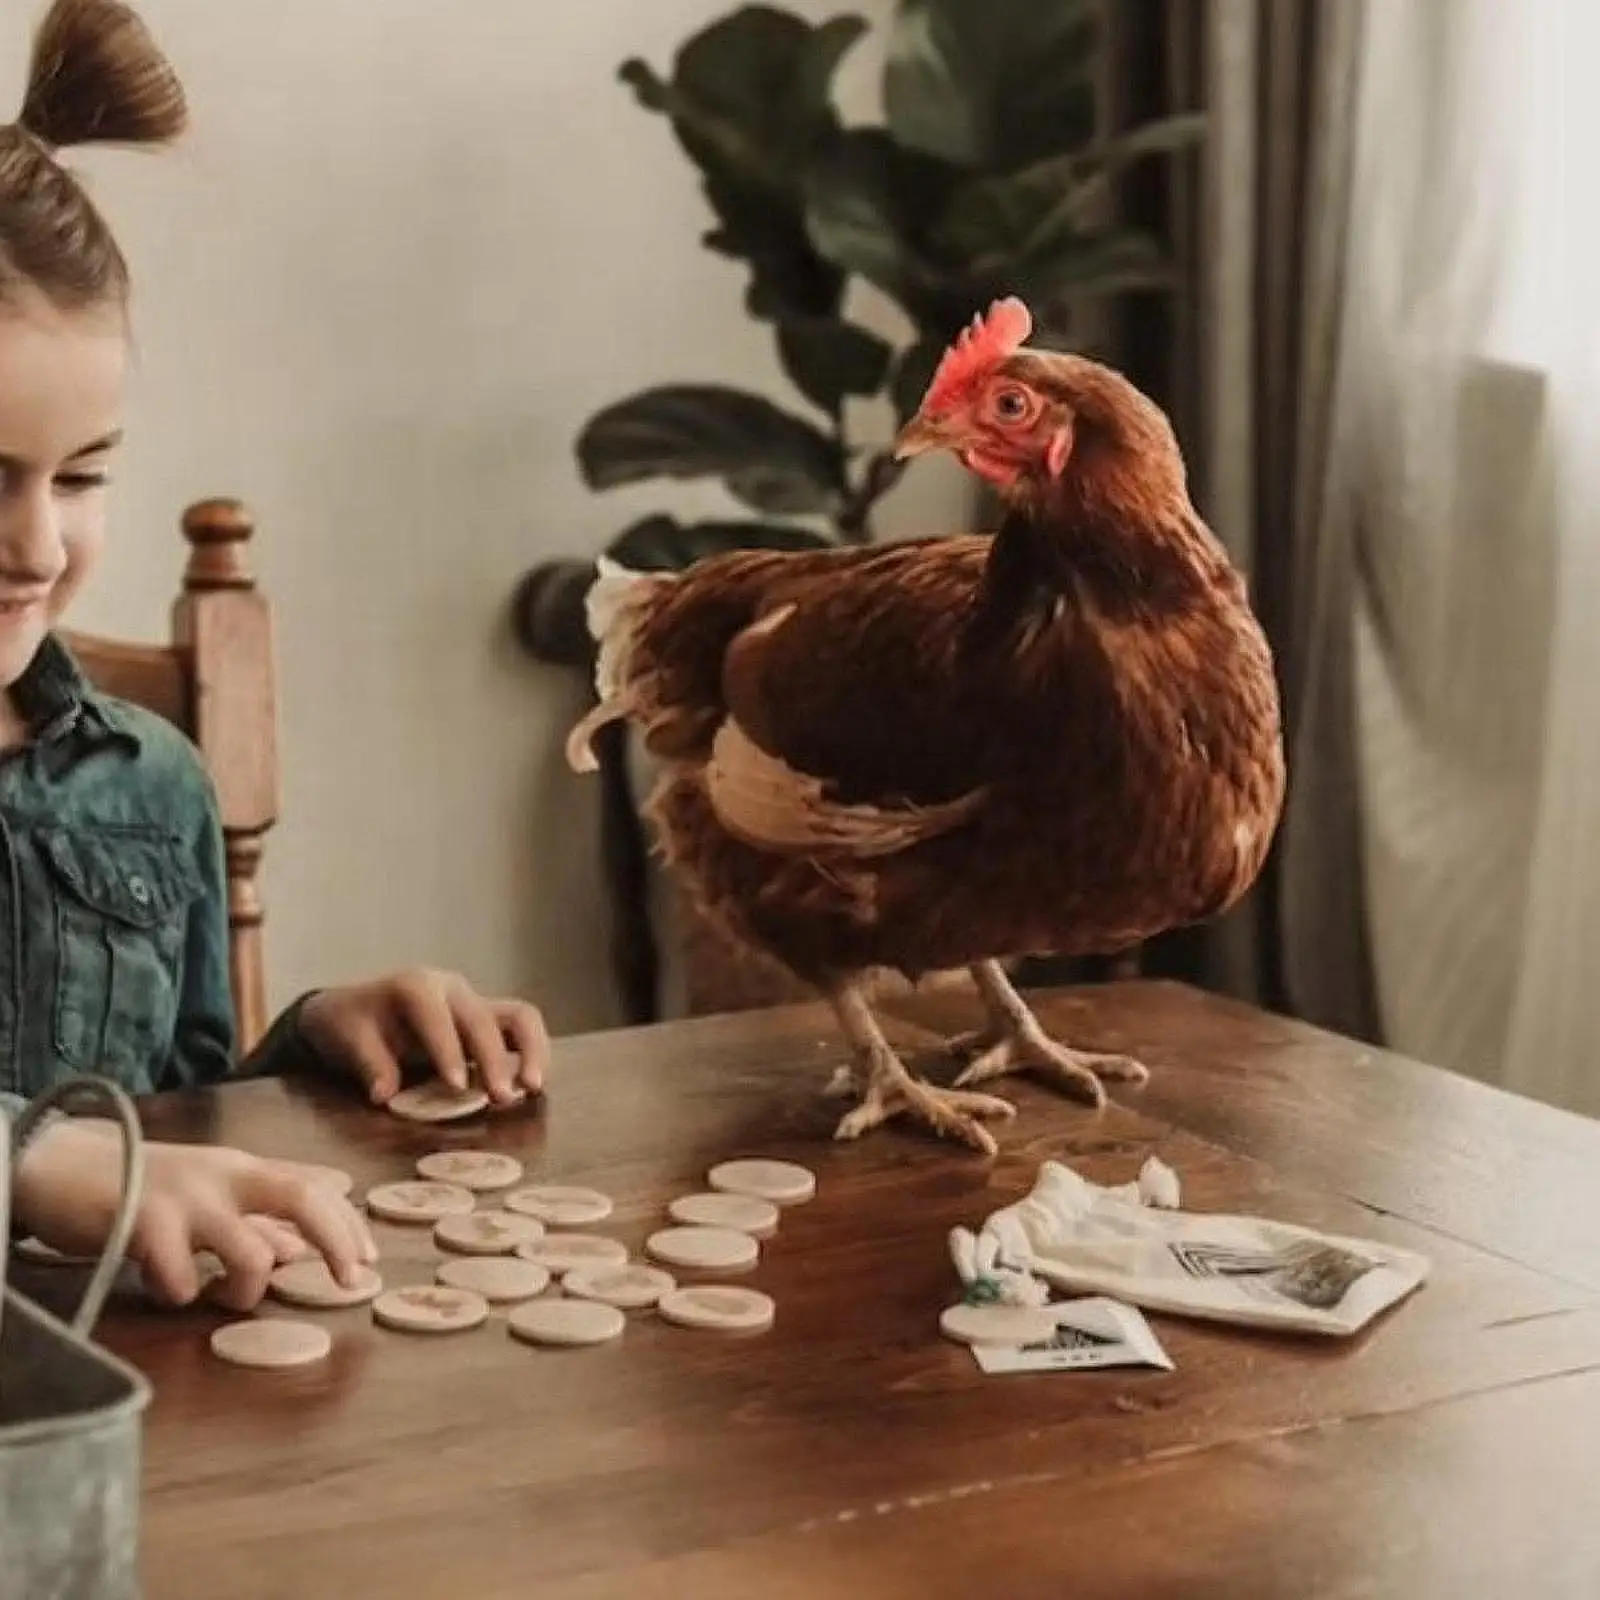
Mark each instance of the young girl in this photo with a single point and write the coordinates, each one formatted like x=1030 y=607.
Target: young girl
x=113 y=914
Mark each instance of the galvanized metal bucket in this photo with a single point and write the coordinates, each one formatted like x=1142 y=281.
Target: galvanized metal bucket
x=70 y=1414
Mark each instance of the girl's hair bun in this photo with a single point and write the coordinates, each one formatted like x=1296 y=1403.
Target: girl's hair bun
x=99 y=78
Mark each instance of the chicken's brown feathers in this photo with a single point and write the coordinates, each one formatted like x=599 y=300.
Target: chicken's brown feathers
x=1063 y=739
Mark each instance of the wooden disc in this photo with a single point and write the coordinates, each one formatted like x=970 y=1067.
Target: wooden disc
x=628 y=1288
x=560 y=1205
x=566 y=1322
x=1007 y=1325
x=436 y=1101
x=781 y=1182
x=481 y=1171
x=271 y=1343
x=501 y=1280
x=310 y=1283
x=744 y=1213
x=719 y=1308
x=419 y=1202
x=430 y=1308
x=486 y=1233
x=704 y=1249
x=562 y=1252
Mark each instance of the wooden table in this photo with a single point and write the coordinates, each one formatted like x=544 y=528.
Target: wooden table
x=1451 y=1451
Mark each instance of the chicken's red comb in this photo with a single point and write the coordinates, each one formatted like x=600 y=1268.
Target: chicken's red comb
x=978 y=350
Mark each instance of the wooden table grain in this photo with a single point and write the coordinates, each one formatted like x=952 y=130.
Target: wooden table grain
x=1452 y=1450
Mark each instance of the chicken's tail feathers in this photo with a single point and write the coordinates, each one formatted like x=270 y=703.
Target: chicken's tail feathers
x=611 y=610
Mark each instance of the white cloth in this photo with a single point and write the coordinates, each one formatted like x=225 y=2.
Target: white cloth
x=1131 y=1243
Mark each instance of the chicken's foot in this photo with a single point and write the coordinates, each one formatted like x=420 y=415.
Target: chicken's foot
x=1015 y=1042
x=891 y=1091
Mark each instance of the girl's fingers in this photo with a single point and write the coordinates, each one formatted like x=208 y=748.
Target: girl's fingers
x=525 y=1028
x=327 y=1220
x=481 y=1033
x=425 y=1008
x=248 y=1260
x=165 y=1253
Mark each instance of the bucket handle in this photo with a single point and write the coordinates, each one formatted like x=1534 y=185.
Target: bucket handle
x=109 y=1096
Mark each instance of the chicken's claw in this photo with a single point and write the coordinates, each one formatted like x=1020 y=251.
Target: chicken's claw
x=1083 y=1073
x=951 y=1113
x=890 y=1091
x=1015 y=1042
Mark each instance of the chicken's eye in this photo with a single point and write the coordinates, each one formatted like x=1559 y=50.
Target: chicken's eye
x=1011 y=404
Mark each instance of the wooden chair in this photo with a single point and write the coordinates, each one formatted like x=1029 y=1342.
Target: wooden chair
x=217 y=682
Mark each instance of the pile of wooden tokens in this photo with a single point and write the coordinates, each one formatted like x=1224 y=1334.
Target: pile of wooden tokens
x=532 y=1249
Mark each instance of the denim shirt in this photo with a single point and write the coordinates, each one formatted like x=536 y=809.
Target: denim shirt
x=113 y=900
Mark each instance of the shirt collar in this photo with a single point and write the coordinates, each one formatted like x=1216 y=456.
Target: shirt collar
x=54 y=698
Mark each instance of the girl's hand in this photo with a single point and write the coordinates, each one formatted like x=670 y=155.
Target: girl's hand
x=196 y=1198
x=371 y=1029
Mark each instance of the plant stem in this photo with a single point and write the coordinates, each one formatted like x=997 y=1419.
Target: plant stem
x=854 y=519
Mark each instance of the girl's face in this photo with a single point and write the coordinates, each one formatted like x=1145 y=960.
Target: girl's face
x=61 y=387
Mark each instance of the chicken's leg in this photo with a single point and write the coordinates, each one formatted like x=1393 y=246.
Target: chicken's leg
x=891 y=1091
x=1017 y=1043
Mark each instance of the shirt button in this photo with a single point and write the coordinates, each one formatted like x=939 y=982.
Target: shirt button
x=139 y=889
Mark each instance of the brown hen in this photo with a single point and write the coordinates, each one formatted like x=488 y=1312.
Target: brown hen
x=1061 y=739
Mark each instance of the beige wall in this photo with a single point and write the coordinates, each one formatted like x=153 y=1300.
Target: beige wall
x=409 y=247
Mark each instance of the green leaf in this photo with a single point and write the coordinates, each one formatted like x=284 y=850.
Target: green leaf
x=663 y=544
x=829 y=359
x=1033 y=210
x=787 y=276
x=1103 y=264
x=771 y=460
x=750 y=101
x=770 y=74
x=912 y=375
x=869 y=207
x=992 y=83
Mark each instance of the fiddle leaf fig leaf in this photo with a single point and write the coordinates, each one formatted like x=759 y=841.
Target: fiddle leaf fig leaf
x=663 y=544
x=769 y=459
x=1101 y=265
x=869 y=206
x=830 y=359
x=995 y=84
x=750 y=100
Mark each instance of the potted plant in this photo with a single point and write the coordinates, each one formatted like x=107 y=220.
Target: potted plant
x=990 y=175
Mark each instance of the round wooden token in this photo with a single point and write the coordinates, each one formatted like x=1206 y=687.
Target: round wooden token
x=311 y=1283
x=626 y=1288
x=482 y=1171
x=566 y=1322
x=781 y=1182
x=501 y=1280
x=704 y=1249
x=430 y=1308
x=562 y=1252
x=436 y=1101
x=1007 y=1325
x=419 y=1202
x=744 y=1213
x=486 y=1233
x=271 y=1343
x=719 y=1309
x=560 y=1205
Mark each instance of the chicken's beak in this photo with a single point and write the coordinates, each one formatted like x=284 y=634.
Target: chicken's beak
x=919 y=436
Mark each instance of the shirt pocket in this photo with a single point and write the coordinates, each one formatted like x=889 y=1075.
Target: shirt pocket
x=122 y=901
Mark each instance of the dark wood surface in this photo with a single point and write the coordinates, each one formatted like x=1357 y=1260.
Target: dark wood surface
x=1453 y=1450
